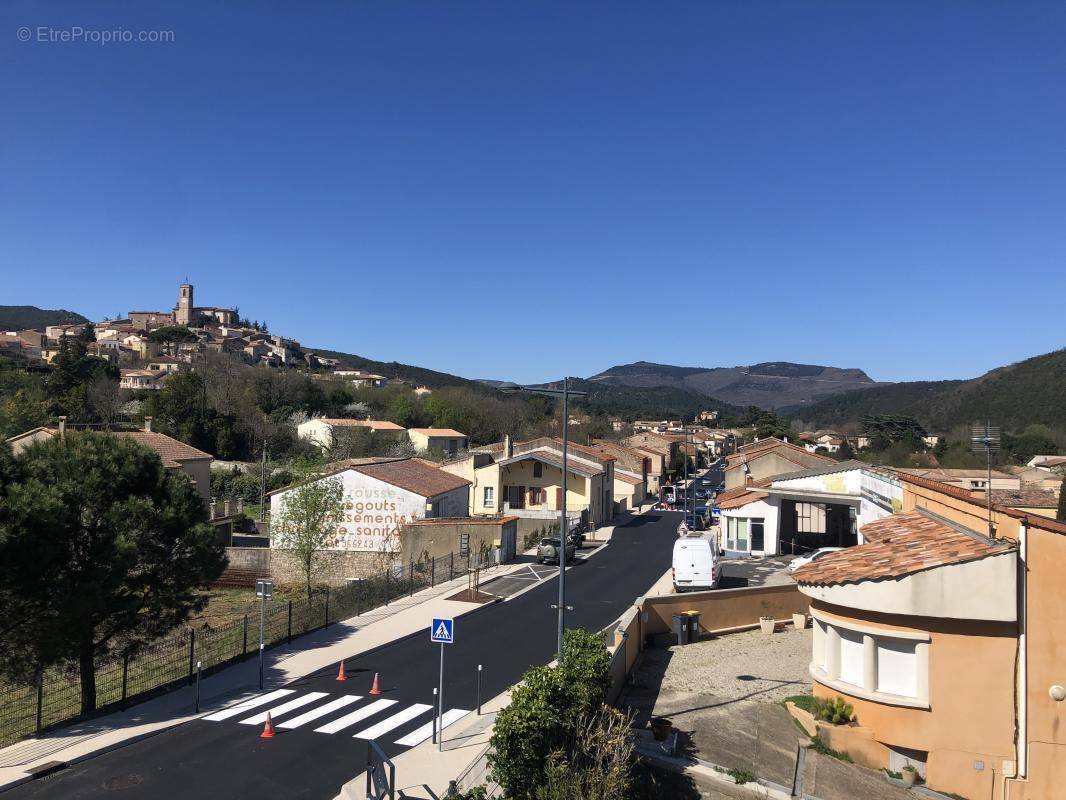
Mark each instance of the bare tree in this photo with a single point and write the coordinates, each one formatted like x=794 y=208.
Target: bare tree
x=105 y=399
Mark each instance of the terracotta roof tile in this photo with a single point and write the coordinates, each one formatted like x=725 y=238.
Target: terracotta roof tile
x=554 y=459
x=740 y=500
x=1036 y=520
x=438 y=432
x=373 y=424
x=621 y=476
x=414 y=475
x=169 y=449
x=1032 y=498
x=900 y=545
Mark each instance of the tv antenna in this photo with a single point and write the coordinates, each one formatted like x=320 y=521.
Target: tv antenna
x=986 y=439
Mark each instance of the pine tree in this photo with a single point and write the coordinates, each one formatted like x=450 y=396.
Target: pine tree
x=100 y=548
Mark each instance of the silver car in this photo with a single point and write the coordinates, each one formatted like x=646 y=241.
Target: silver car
x=549 y=551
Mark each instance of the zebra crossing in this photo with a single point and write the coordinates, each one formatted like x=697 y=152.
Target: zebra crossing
x=282 y=703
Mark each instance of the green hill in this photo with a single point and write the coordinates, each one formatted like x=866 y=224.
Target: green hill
x=20 y=318
x=1021 y=394
x=394 y=369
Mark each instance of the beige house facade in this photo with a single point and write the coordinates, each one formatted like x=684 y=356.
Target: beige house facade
x=948 y=642
x=442 y=440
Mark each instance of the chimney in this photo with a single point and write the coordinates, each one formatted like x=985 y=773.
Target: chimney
x=508 y=446
x=62 y=427
x=147 y=424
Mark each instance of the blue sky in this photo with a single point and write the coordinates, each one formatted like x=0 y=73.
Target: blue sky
x=521 y=189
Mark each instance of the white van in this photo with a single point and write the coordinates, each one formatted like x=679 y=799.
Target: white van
x=697 y=563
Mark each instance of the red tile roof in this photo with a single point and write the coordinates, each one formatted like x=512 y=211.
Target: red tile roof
x=414 y=475
x=373 y=424
x=438 y=432
x=740 y=500
x=169 y=449
x=554 y=459
x=621 y=476
x=1031 y=498
x=900 y=545
x=963 y=494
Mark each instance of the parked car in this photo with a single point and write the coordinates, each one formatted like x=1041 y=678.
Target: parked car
x=695 y=522
x=814 y=555
x=702 y=494
x=697 y=563
x=548 y=551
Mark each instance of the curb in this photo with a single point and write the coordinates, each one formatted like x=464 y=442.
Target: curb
x=27 y=777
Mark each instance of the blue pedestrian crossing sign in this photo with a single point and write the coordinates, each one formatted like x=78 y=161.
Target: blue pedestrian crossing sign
x=442 y=630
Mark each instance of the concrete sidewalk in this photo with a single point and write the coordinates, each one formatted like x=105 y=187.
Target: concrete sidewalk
x=306 y=655
x=285 y=663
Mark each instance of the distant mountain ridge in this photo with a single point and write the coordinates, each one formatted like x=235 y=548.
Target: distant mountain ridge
x=20 y=318
x=771 y=384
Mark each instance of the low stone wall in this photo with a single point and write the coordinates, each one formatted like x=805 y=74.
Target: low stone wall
x=439 y=537
x=723 y=610
x=435 y=537
x=330 y=567
x=250 y=558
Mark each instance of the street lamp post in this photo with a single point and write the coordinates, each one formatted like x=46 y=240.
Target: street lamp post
x=566 y=393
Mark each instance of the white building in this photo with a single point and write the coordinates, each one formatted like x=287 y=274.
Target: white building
x=382 y=495
x=319 y=431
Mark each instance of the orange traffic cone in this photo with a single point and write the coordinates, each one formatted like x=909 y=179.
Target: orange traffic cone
x=268 y=729
x=340 y=672
x=375 y=689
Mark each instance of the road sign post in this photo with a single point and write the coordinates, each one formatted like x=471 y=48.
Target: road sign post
x=264 y=590
x=441 y=631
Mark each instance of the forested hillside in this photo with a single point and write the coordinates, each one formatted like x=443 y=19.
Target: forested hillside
x=20 y=318
x=1029 y=392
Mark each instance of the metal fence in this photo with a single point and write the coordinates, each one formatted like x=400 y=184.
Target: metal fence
x=168 y=663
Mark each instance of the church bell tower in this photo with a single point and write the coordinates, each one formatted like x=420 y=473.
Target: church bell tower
x=183 y=313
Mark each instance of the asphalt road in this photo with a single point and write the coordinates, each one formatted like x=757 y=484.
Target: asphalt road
x=227 y=759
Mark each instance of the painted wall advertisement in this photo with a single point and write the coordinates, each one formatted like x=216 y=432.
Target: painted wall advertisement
x=881 y=497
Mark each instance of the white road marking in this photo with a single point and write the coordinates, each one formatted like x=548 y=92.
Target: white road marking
x=248 y=705
x=395 y=721
x=277 y=711
x=321 y=711
x=419 y=735
x=355 y=716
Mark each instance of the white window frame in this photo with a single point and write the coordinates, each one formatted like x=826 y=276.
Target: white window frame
x=489 y=497
x=826 y=655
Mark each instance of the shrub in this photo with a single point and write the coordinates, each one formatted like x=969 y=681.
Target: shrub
x=835 y=711
x=818 y=746
x=741 y=776
x=535 y=734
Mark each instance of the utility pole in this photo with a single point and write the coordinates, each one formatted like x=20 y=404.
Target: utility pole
x=563 y=526
x=263 y=484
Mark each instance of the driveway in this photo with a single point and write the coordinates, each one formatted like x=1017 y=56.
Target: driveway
x=767 y=571
x=724 y=695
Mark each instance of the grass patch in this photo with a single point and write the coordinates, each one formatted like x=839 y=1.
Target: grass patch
x=801 y=728
x=741 y=776
x=818 y=746
x=227 y=605
x=804 y=701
